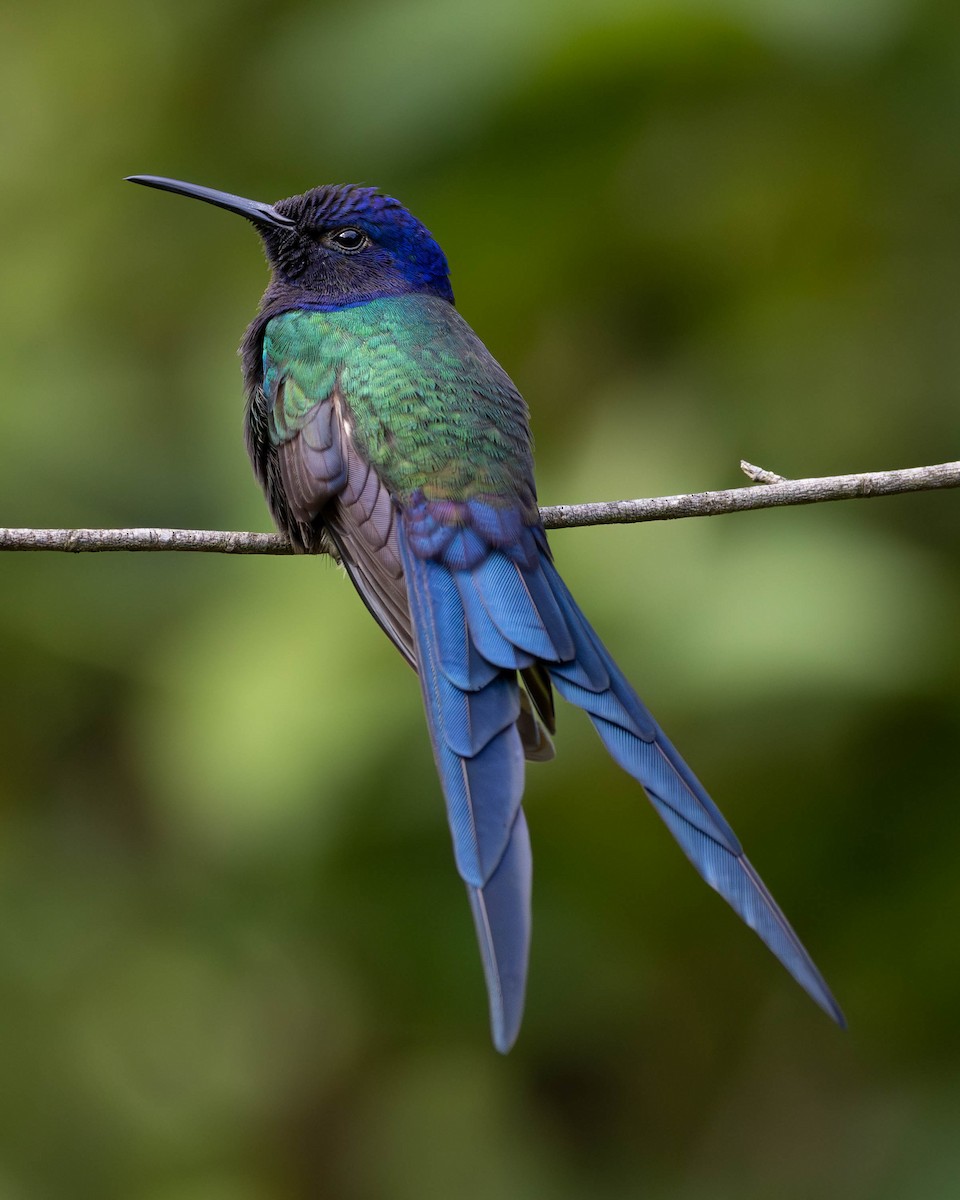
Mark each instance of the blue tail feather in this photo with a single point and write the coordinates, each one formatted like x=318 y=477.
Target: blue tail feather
x=603 y=705
x=483 y=795
x=586 y=668
x=488 y=639
x=689 y=813
x=457 y=656
x=505 y=590
x=648 y=763
x=501 y=913
x=472 y=719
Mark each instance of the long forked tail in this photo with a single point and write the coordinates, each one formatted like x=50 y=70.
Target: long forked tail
x=486 y=603
x=594 y=682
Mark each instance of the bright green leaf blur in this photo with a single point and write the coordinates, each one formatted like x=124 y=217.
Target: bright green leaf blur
x=235 y=959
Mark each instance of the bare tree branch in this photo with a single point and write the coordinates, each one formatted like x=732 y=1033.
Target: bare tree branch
x=775 y=491
x=84 y=541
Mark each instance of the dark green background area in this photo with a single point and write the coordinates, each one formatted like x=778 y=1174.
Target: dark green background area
x=235 y=959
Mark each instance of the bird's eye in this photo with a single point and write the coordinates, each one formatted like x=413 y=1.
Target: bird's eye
x=348 y=240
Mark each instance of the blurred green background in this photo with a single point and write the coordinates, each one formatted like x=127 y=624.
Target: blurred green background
x=235 y=959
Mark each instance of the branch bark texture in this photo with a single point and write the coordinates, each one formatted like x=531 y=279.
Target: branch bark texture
x=770 y=491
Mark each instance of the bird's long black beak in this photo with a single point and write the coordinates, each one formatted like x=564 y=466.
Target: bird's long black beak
x=254 y=210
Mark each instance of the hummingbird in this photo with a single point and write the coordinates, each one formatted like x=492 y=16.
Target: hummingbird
x=382 y=430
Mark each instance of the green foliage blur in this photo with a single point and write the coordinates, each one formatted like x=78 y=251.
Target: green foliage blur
x=236 y=962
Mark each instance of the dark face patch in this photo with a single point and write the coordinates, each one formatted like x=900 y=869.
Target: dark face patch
x=350 y=244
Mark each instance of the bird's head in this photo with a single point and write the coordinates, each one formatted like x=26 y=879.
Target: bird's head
x=336 y=244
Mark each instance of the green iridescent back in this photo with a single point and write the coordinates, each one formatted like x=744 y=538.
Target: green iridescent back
x=430 y=408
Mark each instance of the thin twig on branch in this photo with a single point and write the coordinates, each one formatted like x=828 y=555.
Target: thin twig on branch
x=775 y=491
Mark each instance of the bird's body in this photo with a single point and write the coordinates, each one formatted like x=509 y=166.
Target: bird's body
x=378 y=420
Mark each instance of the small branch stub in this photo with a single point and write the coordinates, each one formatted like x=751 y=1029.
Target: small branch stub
x=759 y=475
